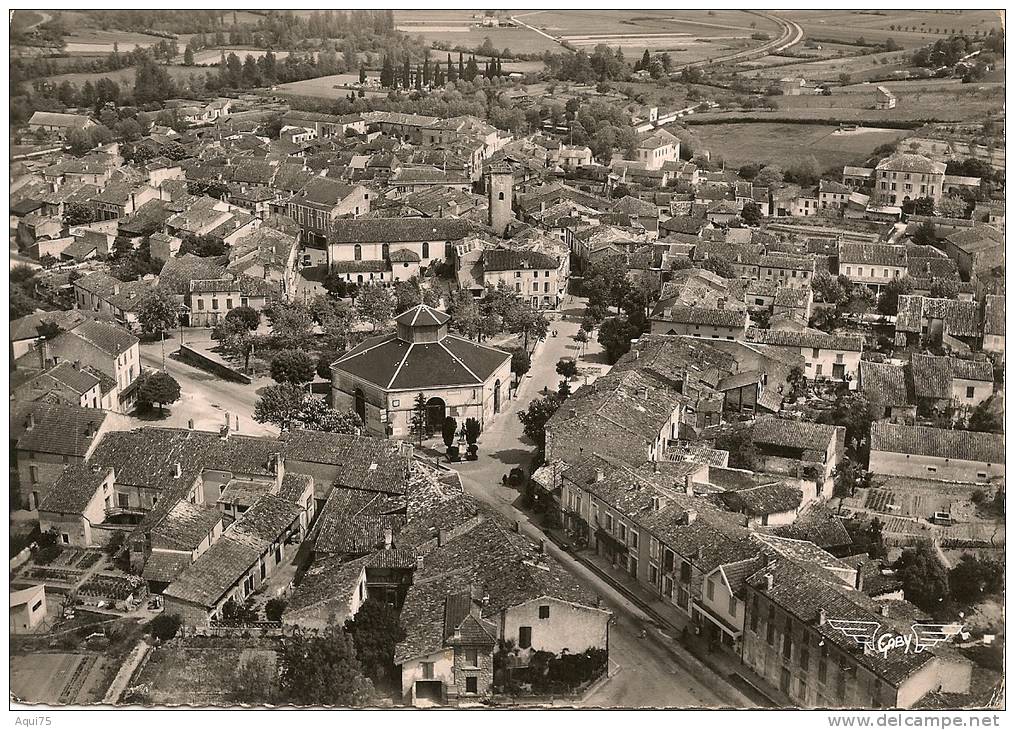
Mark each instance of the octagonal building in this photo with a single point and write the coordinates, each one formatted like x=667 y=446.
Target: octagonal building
x=381 y=377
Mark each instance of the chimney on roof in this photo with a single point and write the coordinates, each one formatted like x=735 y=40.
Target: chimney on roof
x=655 y=466
x=43 y=354
x=89 y=429
x=116 y=289
x=769 y=581
x=822 y=616
x=442 y=537
x=690 y=516
x=387 y=538
x=486 y=598
x=643 y=393
x=419 y=562
x=77 y=365
x=190 y=424
x=517 y=526
x=177 y=470
x=600 y=475
x=858 y=584
x=721 y=304
x=657 y=502
x=30 y=421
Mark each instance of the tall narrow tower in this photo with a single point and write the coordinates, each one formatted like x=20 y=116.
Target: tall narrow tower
x=499 y=190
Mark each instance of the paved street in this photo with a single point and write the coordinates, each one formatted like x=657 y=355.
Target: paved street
x=204 y=397
x=647 y=671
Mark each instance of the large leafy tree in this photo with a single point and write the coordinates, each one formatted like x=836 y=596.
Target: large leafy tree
x=157 y=312
x=375 y=304
x=291 y=324
x=280 y=404
x=615 y=335
x=536 y=416
x=292 y=366
x=740 y=445
x=323 y=671
x=316 y=415
x=160 y=387
x=888 y=302
x=249 y=316
x=464 y=313
x=375 y=631
x=77 y=214
x=924 y=577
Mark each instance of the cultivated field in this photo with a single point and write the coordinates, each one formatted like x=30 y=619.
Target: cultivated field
x=325 y=87
x=212 y=56
x=92 y=41
x=176 y=675
x=784 y=144
x=688 y=36
x=875 y=26
x=126 y=75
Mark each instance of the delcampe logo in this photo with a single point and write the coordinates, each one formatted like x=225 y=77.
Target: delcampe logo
x=920 y=638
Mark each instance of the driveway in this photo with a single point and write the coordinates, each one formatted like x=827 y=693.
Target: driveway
x=646 y=671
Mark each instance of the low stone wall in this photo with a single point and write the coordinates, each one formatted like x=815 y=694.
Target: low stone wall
x=207 y=360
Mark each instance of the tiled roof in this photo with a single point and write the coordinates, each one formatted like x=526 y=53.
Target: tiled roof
x=399 y=230
x=704 y=316
x=993 y=315
x=77 y=380
x=164 y=566
x=64 y=430
x=178 y=272
x=354 y=522
x=812 y=339
x=764 y=499
x=422 y=315
x=109 y=338
x=185 y=526
x=367 y=463
x=503 y=259
x=624 y=410
x=74 y=489
x=394 y=364
x=961 y=319
x=981 y=237
x=327 y=586
x=907 y=162
x=27 y=327
x=885 y=383
x=804 y=592
x=938 y=442
x=793 y=434
x=879 y=254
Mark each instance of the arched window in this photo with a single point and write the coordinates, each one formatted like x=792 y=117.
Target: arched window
x=357 y=252
x=500 y=196
x=385 y=252
x=426 y=249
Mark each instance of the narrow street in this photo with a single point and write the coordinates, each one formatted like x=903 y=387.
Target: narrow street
x=647 y=670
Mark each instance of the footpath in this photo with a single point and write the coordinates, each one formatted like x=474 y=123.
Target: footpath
x=678 y=627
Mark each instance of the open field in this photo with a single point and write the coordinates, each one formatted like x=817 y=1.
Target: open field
x=518 y=40
x=324 y=87
x=689 y=36
x=828 y=69
x=181 y=675
x=94 y=41
x=942 y=99
x=126 y=75
x=783 y=144
x=23 y=20
x=212 y=56
x=875 y=26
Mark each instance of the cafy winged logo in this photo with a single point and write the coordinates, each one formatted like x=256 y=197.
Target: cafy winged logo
x=921 y=636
